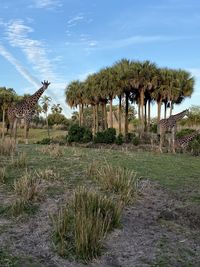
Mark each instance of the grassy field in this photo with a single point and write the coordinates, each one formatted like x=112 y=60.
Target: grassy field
x=178 y=175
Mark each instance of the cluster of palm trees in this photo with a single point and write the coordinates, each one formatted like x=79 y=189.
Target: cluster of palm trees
x=137 y=82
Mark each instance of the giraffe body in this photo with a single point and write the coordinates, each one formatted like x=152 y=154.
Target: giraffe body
x=170 y=124
x=25 y=110
x=184 y=141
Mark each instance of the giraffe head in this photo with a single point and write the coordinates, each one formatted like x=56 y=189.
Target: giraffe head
x=45 y=84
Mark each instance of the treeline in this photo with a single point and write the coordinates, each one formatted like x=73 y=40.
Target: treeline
x=141 y=83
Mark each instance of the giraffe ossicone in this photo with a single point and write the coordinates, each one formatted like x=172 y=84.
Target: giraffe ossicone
x=25 y=110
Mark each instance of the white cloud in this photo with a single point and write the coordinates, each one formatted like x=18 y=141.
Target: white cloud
x=18 y=36
x=73 y=21
x=24 y=72
x=46 y=3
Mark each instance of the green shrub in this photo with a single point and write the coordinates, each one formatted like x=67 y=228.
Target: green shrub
x=108 y=136
x=129 y=137
x=44 y=141
x=184 y=132
x=79 y=134
x=119 y=139
x=135 y=140
x=194 y=146
x=153 y=127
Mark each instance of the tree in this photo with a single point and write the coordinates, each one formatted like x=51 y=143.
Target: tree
x=7 y=96
x=45 y=102
x=56 y=108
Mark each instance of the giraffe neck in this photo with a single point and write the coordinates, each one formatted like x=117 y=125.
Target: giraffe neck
x=178 y=116
x=32 y=100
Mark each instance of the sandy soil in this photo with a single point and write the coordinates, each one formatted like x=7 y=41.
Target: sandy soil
x=157 y=230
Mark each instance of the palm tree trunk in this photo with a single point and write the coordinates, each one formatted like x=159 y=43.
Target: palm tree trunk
x=165 y=110
x=102 y=117
x=142 y=108
x=79 y=118
x=170 y=108
x=159 y=103
x=94 y=119
x=97 y=117
x=145 y=116
x=105 y=116
x=126 y=115
x=47 y=125
x=82 y=118
x=139 y=115
x=111 y=115
x=149 y=115
x=120 y=114
x=3 y=123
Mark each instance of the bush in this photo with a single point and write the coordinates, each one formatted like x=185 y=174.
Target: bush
x=129 y=137
x=194 y=146
x=44 y=141
x=79 y=134
x=184 y=132
x=135 y=141
x=108 y=136
x=153 y=128
x=119 y=139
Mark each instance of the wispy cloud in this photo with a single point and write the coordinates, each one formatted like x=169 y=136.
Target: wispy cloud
x=23 y=71
x=75 y=20
x=46 y=3
x=17 y=34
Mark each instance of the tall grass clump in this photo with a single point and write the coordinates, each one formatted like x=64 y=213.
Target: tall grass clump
x=27 y=189
x=7 y=147
x=2 y=174
x=19 y=161
x=51 y=150
x=87 y=221
x=118 y=180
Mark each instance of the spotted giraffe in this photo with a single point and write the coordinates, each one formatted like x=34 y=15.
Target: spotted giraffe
x=182 y=142
x=169 y=125
x=25 y=110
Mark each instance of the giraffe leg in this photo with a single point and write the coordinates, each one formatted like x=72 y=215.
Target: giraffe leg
x=26 y=132
x=173 y=139
x=14 y=130
x=161 y=142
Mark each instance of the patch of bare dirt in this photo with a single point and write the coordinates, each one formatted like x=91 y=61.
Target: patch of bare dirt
x=142 y=240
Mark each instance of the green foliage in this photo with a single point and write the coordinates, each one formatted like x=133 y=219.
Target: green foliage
x=81 y=227
x=108 y=136
x=79 y=134
x=44 y=141
x=135 y=140
x=194 y=146
x=58 y=118
x=153 y=127
x=119 y=139
x=184 y=132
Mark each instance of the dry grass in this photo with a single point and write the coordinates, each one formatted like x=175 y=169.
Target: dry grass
x=2 y=174
x=48 y=174
x=7 y=147
x=27 y=190
x=28 y=187
x=19 y=161
x=82 y=227
x=118 y=180
x=51 y=150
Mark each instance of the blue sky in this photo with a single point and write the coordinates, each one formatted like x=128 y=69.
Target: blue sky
x=63 y=40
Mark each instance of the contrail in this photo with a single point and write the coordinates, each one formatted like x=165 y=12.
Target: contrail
x=26 y=74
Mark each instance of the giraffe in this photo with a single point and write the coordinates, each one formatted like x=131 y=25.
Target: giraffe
x=169 y=124
x=25 y=110
x=182 y=142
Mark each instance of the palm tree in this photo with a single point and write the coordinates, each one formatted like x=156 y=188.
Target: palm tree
x=7 y=96
x=56 y=108
x=45 y=102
